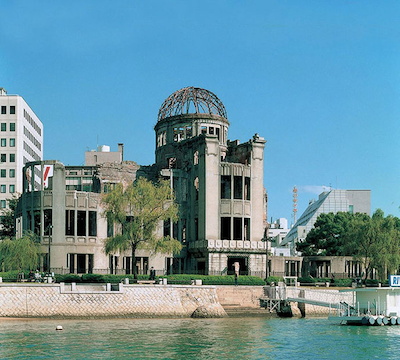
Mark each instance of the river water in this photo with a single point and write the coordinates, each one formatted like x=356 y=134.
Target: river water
x=230 y=338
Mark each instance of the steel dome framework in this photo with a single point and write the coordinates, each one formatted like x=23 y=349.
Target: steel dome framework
x=191 y=100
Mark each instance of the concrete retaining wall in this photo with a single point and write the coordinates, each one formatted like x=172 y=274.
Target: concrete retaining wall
x=240 y=296
x=57 y=300
x=327 y=296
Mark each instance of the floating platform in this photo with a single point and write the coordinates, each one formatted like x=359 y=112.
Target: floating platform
x=366 y=320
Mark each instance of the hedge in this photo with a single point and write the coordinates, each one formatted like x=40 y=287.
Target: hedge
x=179 y=279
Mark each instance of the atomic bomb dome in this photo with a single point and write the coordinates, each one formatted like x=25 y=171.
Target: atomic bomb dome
x=191 y=100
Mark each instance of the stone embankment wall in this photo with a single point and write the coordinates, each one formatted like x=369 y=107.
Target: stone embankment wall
x=240 y=296
x=63 y=301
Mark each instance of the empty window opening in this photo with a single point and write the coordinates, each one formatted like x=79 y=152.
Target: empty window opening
x=92 y=223
x=246 y=229
x=237 y=228
x=81 y=223
x=238 y=187
x=225 y=228
x=225 y=187
x=70 y=222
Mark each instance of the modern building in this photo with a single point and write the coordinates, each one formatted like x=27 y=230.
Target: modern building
x=218 y=185
x=21 y=141
x=333 y=201
x=104 y=155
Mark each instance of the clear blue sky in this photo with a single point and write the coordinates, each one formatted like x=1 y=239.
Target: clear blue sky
x=319 y=80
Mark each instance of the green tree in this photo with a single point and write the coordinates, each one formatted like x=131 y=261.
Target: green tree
x=136 y=211
x=7 y=229
x=378 y=244
x=330 y=235
x=20 y=254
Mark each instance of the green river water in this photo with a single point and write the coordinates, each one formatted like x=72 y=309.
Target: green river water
x=230 y=338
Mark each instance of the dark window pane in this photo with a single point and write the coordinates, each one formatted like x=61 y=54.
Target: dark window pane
x=92 y=223
x=81 y=223
x=225 y=187
x=226 y=228
x=69 y=222
x=238 y=187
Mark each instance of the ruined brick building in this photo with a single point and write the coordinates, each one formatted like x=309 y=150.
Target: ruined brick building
x=218 y=184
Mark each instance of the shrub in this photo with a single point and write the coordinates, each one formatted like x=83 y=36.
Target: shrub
x=92 y=278
x=68 y=278
x=9 y=276
x=186 y=279
x=343 y=282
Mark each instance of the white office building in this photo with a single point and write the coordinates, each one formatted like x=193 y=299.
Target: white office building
x=21 y=141
x=333 y=201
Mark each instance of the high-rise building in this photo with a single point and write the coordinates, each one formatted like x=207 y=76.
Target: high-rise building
x=21 y=141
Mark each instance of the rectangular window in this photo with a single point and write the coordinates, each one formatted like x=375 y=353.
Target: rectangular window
x=225 y=187
x=247 y=188
x=3 y=188
x=3 y=158
x=217 y=132
x=48 y=221
x=92 y=223
x=225 y=228
x=36 y=222
x=71 y=262
x=3 y=173
x=81 y=223
x=196 y=228
x=12 y=142
x=12 y=157
x=203 y=130
x=211 y=130
x=110 y=228
x=3 y=127
x=3 y=142
x=12 y=109
x=12 y=173
x=351 y=209
x=12 y=126
x=237 y=228
x=3 y=109
x=69 y=222
x=3 y=204
x=238 y=187
x=167 y=227
x=81 y=263
x=12 y=189
x=247 y=228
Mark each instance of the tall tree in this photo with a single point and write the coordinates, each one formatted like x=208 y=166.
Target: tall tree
x=7 y=216
x=330 y=235
x=137 y=210
x=20 y=254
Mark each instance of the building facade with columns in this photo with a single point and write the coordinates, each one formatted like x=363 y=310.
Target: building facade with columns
x=218 y=185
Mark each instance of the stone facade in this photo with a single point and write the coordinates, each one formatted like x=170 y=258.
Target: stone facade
x=218 y=185
x=64 y=301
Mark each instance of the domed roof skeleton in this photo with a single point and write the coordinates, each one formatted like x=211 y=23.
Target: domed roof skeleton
x=191 y=100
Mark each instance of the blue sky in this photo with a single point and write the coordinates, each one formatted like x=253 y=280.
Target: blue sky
x=319 y=80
